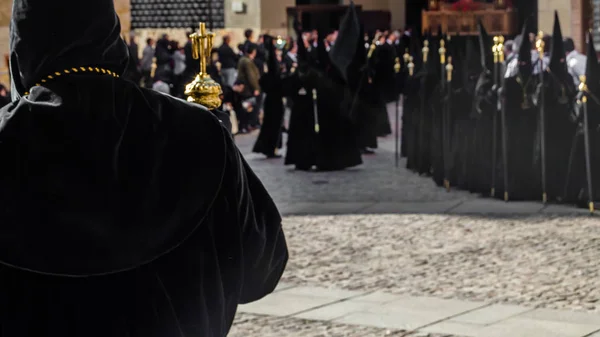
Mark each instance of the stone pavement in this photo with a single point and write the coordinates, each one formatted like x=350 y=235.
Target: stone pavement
x=418 y=316
x=452 y=264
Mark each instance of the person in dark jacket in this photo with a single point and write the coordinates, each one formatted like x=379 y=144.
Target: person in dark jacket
x=125 y=212
x=228 y=59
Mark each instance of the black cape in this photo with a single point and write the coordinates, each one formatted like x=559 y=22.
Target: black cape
x=125 y=212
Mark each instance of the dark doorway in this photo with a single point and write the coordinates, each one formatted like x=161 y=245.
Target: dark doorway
x=527 y=9
x=414 y=9
x=320 y=17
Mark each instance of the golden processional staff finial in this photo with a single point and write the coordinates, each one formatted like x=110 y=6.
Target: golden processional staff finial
x=203 y=90
x=425 y=50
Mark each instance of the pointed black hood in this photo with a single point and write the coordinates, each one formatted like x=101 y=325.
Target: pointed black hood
x=525 y=65
x=558 y=65
x=485 y=48
x=40 y=46
x=592 y=68
x=343 y=50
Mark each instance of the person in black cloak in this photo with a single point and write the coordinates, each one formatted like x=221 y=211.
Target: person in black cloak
x=382 y=69
x=350 y=57
x=467 y=70
x=411 y=103
x=338 y=147
x=125 y=212
x=429 y=78
x=485 y=105
x=524 y=171
x=576 y=189
x=365 y=99
x=437 y=103
x=302 y=141
x=560 y=92
x=269 y=139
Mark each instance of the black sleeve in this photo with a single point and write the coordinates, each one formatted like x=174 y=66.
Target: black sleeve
x=263 y=242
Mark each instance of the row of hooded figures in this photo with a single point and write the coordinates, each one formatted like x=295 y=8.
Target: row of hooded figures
x=518 y=129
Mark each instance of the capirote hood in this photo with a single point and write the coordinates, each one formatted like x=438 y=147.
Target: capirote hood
x=48 y=36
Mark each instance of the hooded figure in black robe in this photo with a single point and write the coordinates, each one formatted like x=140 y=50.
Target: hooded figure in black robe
x=125 y=212
x=411 y=104
x=337 y=136
x=485 y=105
x=522 y=113
x=269 y=139
x=577 y=184
x=302 y=142
x=560 y=92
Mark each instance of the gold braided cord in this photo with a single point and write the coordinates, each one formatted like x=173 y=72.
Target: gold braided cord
x=75 y=70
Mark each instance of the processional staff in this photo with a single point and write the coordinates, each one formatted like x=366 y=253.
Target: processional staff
x=503 y=115
x=425 y=54
x=397 y=68
x=539 y=45
x=582 y=101
x=447 y=110
x=203 y=90
x=495 y=120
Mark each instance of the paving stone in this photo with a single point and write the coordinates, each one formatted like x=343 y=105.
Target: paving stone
x=379 y=297
x=336 y=310
x=435 y=207
x=406 y=320
x=493 y=206
x=455 y=328
x=280 y=304
x=434 y=307
x=522 y=327
x=563 y=316
x=490 y=314
x=335 y=294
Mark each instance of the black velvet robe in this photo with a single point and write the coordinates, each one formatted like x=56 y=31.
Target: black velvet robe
x=302 y=139
x=270 y=137
x=125 y=212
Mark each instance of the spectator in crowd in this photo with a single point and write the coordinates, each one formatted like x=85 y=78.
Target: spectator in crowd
x=249 y=35
x=575 y=60
x=261 y=55
x=215 y=68
x=133 y=72
x=192 y=66
x=249 y=75
x=228 y=60
x=291 y=58
x=178 y=69
x=146 y=63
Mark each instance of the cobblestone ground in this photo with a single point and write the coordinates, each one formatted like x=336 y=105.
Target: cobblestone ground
x=254 y=325
x=539 y=261
x=550 y=262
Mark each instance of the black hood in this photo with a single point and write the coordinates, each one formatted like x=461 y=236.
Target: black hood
x=343 y=50
x=40 y=45
x=592 y=68
x=485 y=48
x=525 y=65
x=558 y=66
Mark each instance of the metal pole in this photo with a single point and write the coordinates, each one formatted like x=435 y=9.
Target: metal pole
x=503 y=116
x=397 y=149
x=586 y=141
x=496 y=53
x=540 y=48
